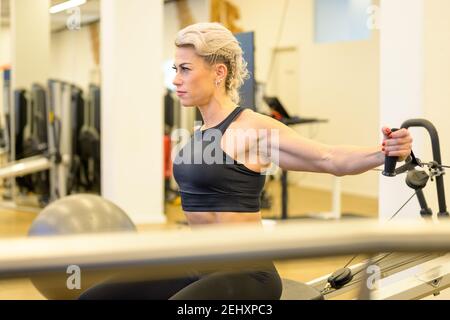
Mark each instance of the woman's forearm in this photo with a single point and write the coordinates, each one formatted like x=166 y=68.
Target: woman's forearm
x=351 y=160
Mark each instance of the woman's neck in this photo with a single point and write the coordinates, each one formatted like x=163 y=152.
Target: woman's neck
x=216 y=111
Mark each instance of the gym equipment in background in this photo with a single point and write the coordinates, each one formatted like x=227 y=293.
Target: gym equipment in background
x=171 y=193
x=159 y=254
x=33 y=124
x=88 y=149
x=4 y=125
x=417 y=180
x=436 y=170
x=5 y=148
x=55 y=150
x=80 y=214
x=74 y=215
x=280 y=241
x=279 y=112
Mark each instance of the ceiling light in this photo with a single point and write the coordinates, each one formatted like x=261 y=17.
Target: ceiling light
x=66 y=5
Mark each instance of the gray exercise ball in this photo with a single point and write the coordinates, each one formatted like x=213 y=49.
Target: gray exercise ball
x=76 y=214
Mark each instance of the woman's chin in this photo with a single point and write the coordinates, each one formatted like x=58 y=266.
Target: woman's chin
x=186 y=103
x=192 y=102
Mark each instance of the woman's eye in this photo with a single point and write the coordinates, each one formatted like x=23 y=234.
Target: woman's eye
x=181 y=68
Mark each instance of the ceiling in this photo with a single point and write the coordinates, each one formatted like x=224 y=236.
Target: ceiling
x=90 y=12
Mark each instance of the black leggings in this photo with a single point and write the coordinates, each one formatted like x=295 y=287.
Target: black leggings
x=263 y=283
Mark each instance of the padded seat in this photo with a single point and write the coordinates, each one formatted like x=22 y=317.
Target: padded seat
x=294 y=290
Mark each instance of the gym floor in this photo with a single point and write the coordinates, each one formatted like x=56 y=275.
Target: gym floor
x=302 y=201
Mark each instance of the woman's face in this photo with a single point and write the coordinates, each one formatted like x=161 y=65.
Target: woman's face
x=194 y=79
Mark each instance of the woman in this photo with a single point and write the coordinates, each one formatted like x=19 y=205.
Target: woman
x=219 y=170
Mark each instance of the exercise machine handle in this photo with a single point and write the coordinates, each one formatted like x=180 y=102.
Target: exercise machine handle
x=423 y=123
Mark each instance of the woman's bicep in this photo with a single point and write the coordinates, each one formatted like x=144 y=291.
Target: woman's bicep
x=301 y=154
x=290 y=151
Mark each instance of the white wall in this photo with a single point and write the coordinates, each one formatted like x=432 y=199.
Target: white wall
x=337 y=81
x=132 y=105
x=71 y=51
x=30 y=55
x=29 y=17
x=401 y=89
x=72 y=57
x=437 y=85
x=5 y=45
x=416 y=77
x=200 y=13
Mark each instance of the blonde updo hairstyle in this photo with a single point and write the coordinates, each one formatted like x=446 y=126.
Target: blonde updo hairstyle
x=216 y=44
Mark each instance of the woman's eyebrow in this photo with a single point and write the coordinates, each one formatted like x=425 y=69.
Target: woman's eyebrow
x=183 y=64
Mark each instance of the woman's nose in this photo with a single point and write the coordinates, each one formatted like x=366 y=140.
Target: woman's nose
x=176 y=80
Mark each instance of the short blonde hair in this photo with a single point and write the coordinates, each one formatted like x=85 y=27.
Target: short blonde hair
x=216 y=44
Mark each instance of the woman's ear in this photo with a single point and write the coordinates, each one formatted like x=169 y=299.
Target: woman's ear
x=221 y=72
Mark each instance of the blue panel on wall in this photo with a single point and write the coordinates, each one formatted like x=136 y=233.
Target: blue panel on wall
x=247 y=92
x=6 y=75
x=341 y=20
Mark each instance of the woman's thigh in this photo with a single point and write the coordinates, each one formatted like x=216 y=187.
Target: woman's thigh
x=118 y=289
x=257 y=284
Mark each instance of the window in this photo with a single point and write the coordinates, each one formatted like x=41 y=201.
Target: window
x=341 y=20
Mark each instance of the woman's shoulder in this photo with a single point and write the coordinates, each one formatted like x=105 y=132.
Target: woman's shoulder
x=252 y=119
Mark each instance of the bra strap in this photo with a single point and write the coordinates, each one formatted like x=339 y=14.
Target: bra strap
x=233 y=115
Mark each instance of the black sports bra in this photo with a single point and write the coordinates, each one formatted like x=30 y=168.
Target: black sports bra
x=210 y=180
